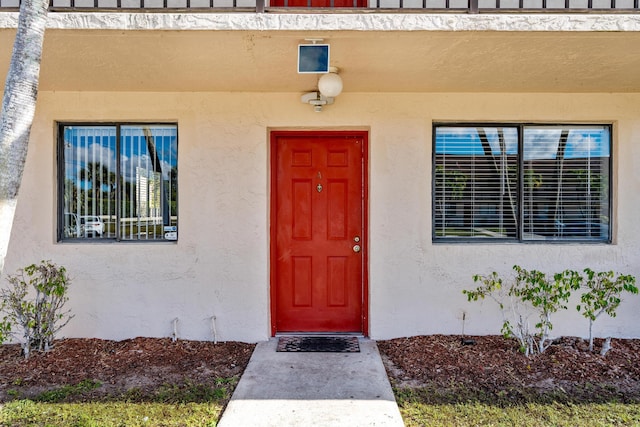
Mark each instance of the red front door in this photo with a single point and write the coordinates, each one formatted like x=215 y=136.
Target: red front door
x=318 y=236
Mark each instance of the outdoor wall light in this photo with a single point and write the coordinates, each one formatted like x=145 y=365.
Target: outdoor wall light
x=329 y=86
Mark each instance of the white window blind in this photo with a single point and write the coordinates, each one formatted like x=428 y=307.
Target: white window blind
x=566 y=183
x=521 y=182
x=475 y=182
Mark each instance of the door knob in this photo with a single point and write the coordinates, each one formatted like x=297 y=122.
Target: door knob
x=356 y=248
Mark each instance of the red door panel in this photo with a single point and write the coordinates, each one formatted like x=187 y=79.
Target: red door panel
x=318 y=3
x=317 y=282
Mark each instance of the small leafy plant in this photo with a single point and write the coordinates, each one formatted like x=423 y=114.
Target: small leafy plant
x=603 y=295
x=5 y=326
x=534 y=293
x=546 y=295
x=531 y=293
x=41 y=317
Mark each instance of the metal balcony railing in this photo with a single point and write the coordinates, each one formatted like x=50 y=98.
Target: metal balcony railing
x=328 y=6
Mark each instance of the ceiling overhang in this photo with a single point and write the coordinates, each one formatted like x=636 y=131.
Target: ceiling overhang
x=88 y=57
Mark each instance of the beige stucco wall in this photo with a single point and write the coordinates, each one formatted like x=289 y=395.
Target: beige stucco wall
x=220 y=265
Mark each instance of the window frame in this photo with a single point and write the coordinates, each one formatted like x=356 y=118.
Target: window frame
x=520 y=126
x=60 y=175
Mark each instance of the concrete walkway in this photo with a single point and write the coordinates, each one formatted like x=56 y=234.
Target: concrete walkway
x=313 y=389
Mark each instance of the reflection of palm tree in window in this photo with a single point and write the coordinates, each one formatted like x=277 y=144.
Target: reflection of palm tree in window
x=595 y=187
x=451 y=185
x=70 y=192
x=532 y=181
x=502 y=170
x=99 y=177
x=173 y=196
x=562 y=147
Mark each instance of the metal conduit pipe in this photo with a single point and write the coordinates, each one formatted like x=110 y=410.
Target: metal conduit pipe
x=213 y=329
x=174 y=336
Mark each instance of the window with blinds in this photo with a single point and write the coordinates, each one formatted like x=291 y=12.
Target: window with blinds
x=118 y=182
x=522 y=182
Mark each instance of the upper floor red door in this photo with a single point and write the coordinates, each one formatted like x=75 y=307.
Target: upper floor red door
x=318 y=3
x=318 y=232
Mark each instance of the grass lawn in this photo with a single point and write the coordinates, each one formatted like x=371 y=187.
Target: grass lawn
x=417 y=412
x=22 y=413
x=172 y=405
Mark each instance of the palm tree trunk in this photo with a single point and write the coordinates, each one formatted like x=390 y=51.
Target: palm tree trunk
x=18 y=108
x=558 y=215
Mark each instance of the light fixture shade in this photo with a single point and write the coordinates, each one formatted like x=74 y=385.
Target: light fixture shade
x=330 y=85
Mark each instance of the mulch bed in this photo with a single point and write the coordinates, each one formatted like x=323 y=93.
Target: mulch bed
x=494 y=370
x=439 y=368
x=145 y=364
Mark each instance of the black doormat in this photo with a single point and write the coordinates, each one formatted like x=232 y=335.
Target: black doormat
x=319 y=344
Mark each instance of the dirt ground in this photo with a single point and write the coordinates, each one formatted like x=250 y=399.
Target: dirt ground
x=492 y=368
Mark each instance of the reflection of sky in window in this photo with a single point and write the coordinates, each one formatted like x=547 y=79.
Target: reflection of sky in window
x=465 y=141
x=582 y=142
x=539 y=142
x=134 y=152
x=97 y=144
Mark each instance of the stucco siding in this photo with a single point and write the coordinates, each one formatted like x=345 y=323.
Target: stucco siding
x=220 y=264
x=335 y=22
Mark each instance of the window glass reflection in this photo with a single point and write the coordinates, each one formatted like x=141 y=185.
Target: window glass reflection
x=119 y=182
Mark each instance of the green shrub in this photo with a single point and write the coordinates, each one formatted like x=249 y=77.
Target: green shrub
x=603 y=296
x=34 y=302
x=533 y=293
x=530 y=293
